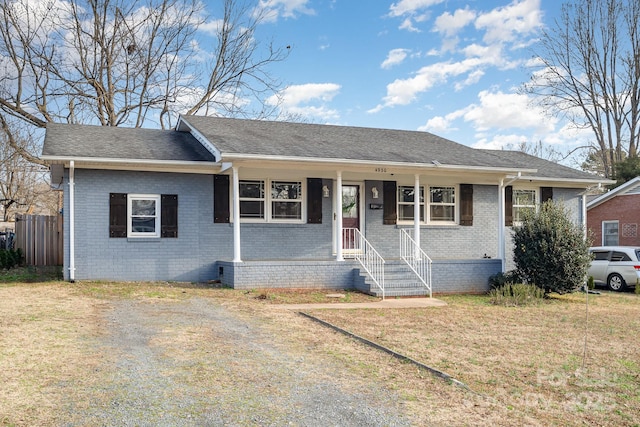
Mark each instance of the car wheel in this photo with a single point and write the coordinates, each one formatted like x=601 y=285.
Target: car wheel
x=616 y=282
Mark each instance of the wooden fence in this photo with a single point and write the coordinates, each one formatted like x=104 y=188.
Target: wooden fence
x=41 y=239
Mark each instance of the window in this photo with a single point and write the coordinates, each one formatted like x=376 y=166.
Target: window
x=286 y=200
x=523 y=201
x=283 y=201
x=252 y=199
x=442 y=204
x=406 y=206
x=143 y=215
x=610 y=233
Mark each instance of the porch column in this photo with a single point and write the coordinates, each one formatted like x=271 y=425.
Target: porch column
x=338 y=205
x=416 y=210
x=236 y=215
x=501 y=207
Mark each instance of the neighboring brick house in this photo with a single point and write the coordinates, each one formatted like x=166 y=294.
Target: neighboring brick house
x=613 y=218
x=274 y=204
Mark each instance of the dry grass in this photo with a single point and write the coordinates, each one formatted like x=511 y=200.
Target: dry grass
x=524 y=364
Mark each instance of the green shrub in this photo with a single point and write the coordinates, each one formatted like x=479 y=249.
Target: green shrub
x=10 y=258
x=550 y=250
x=516 y=294
x=498 y=280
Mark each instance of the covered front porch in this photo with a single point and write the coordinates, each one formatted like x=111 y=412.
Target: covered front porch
x=360 y=244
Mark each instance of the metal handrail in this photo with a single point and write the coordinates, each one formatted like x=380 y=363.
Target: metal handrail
x=419 y=262
x=356 y=245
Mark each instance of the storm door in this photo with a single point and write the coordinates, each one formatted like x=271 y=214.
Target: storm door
x=350 y=218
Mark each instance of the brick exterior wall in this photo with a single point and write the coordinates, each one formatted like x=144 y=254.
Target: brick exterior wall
x=622 y=208
x=287 y=255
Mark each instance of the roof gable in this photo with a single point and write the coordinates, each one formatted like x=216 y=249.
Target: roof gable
x=631 y=187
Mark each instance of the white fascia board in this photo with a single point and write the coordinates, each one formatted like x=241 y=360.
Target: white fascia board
x=133 y=164
x=368 y=163
x=184 y=125
x=583 y=182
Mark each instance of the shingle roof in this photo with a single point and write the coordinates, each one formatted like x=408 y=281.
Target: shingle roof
x=269 y=138
x=546 y=168
x=106 y=142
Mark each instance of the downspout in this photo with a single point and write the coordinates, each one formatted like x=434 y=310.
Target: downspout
x=236 y=215
x=72 y=228
x=416 y=210
x=584 y=215
x=338 y=196
x=501 y=214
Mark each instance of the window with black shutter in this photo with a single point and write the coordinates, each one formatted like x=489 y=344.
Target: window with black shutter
x=143 y=215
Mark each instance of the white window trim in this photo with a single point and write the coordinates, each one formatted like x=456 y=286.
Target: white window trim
x=536 y=204
x=603 y=233
x=267 y=200
x=156 y=198
x=425 y=205
x=456 y=205
x=398 y=203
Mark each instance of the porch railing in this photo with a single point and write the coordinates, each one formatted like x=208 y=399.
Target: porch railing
x=419 y=262
x=356 y=246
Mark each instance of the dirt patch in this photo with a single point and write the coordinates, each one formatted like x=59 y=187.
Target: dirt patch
x=181 y=358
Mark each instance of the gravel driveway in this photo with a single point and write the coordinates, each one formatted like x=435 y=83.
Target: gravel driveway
x=196 y=363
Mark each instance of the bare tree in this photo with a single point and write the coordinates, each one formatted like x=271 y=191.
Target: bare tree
x=590 y=74
x=131 y=63
x=22 y=184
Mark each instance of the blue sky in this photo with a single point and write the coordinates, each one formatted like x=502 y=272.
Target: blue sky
x=450 y=67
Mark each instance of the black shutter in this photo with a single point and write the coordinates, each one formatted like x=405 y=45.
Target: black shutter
x=508 y=205
x=169 y=215
x=314 y=200
x=546 y=194
x=117 y=215
x=466 y=204
x=389 y=195
x=221 y=210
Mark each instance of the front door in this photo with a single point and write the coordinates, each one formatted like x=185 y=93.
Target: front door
x=350 y=217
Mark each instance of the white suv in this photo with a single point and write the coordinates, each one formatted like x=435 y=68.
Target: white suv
x=617 y=267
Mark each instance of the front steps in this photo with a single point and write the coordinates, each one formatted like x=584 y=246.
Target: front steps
x=399 y=281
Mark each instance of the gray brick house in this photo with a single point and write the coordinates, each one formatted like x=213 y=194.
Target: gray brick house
x=273 y=204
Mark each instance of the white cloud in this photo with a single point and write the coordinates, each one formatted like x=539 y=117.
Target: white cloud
x=405 y=91
x=449 y=24
x=307 y=100
x=394 y=57
x=499 y=142
x=410 y=7
x=272 y=10
x=505 y=24
x=499 y=110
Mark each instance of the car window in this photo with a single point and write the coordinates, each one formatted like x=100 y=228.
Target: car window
x=620 y=256
x=638 y=254
x=601 y=255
